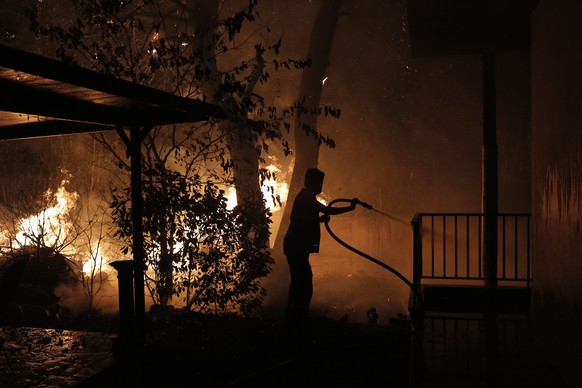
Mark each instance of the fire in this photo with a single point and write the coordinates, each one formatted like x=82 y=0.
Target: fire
x=270 y=188
x=57 y=228
x=95 y=261
x=280 y=189
x=46 y=228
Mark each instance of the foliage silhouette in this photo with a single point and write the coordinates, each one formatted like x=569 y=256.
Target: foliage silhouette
x=171 y=46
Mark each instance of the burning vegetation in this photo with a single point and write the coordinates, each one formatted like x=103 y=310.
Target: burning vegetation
x=214 y=191
x=56 y=262
x=52 y=262
x=204 y=251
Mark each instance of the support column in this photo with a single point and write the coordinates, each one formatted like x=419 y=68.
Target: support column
x=490 y=211
x=134 y=149
x=489 y=170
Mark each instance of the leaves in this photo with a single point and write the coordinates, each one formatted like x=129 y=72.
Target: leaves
x=213 y=257
x=217 y=260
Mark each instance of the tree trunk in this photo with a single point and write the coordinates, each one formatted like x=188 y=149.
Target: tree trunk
x=241 y=144
x=306 y=145
x=165 y=284
x=245 y=170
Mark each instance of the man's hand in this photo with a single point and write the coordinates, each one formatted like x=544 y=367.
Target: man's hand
x=356 y=201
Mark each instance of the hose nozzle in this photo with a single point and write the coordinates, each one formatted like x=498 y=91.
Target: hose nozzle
x=364 y=204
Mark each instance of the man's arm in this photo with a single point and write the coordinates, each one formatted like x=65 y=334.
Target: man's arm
x=335 y=210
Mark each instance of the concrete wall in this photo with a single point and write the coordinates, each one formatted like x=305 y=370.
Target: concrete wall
x=556 y=57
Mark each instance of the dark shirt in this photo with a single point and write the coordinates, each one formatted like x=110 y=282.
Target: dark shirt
x=303 y=234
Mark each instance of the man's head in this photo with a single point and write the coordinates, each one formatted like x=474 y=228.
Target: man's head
x=314 y=180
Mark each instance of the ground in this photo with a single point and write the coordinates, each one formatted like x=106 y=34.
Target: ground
x=187 y=349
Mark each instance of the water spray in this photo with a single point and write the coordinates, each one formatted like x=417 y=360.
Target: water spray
x=365 y=255
x=369 y=207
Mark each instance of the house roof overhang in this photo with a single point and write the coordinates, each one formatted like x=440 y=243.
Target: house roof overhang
x=456 y=27
x=44 y=97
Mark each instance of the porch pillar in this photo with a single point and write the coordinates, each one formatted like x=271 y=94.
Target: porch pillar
x=489 y=170
x=134 y=148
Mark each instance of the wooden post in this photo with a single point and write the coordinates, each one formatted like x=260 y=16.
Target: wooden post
x=416 y=307
x=489 y=171
x=134 y=149
x=490 y=210
x=416 y=251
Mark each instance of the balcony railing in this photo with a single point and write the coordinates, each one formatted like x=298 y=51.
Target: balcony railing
x=449 y=249
x=474 y=274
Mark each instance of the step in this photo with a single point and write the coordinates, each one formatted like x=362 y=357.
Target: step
x=476 y=299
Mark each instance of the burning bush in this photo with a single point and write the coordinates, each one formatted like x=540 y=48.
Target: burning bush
x=31 y=276
x=60 y=255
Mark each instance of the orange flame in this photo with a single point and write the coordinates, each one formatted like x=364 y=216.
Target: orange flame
x=281 y=189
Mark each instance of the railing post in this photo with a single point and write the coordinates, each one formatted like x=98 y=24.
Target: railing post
x=417 y=313
x=489 y=171
x=417 y=251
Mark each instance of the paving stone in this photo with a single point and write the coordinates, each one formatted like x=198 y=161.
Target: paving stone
x=39 y=357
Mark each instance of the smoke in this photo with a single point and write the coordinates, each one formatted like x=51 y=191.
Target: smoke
x=408 y=141
x=346 y=284
x=73 y=297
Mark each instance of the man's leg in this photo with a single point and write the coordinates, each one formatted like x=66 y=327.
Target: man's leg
x=300 y=292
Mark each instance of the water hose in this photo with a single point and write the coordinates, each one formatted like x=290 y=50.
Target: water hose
x=365 y=255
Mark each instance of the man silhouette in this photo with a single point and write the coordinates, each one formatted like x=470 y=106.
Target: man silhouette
x=302 y=239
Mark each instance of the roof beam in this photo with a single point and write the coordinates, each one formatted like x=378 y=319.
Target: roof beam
x=28 y=99
x=49 y=68
x=456 y=27
x=48 y=128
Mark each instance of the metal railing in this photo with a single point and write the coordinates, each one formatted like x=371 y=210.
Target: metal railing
x=451 y=248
